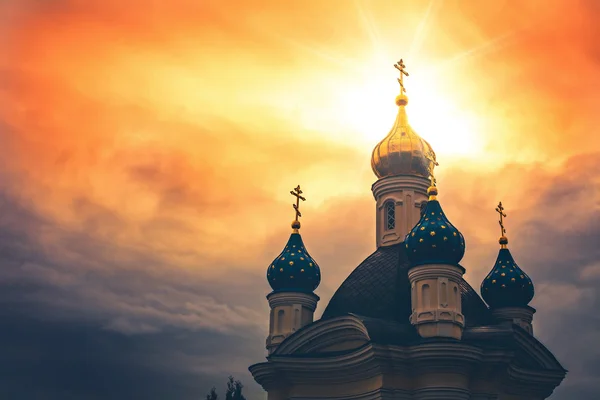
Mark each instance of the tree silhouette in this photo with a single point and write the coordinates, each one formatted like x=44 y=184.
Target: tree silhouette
x=234 y=391
x=212 y=395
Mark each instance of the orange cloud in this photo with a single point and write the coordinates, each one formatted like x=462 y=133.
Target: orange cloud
x=147 y=148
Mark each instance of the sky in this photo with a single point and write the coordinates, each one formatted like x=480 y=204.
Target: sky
x=147 y=151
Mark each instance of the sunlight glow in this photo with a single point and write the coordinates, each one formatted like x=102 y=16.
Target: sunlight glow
x=364 y=112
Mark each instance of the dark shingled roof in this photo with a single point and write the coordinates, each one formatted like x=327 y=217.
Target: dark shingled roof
x=379 y=288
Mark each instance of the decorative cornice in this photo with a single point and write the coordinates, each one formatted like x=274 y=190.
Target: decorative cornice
x=527 y=345
x=529 y=382
x=435 y=315
x=339 y=368
x=442 y=393
x=510 y=313
x=392 y=184
x=378 y=394
x=308 y=300
x=496 y=350
x=311 y=337
x=368 y=361
x=444 y=355
x=434 y=271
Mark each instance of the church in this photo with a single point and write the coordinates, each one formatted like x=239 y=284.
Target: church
x=404 y=324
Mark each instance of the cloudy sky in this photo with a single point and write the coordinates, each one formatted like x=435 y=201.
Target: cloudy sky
x=147 y=150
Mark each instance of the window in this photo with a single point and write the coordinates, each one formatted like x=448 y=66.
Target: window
x=456 y=298
x=390 y=213
x=280 y=317
x=443 y=295
x=426 y=296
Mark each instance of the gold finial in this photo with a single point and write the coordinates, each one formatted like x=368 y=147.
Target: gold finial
x=503 y=239
x=432 y=190
x=400 y=67
x=297 y=193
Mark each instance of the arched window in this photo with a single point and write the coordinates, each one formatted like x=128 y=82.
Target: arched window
x=456 y=297
x=426 y=296
x=390 y=215
x=443 y=295
x=280 y=317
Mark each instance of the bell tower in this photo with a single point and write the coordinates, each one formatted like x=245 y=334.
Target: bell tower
x=293 y=276
x=402 y=162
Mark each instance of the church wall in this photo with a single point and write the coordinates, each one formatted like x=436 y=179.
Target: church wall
x=441 y=385
x=307 y=316
x=278 y=394
x=517 y=397
x=362 y=389
x=484 y=389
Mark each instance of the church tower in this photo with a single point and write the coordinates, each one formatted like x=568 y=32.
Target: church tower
x=434 y=248
x=402 y=161
x=293 y=276
x=507 y=289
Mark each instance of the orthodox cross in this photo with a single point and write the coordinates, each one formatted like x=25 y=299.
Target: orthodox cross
x=430 y=155
x=297 y=193
x=400 y=67
x=500 y=210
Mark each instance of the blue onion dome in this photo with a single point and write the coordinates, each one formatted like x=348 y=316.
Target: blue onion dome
x=434 y=240
x=294 y=270
x=506 y=285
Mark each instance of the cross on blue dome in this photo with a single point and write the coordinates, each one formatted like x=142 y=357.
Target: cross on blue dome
x=506 y=285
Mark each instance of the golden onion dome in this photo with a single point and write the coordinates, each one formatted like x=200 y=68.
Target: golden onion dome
x=402 y=151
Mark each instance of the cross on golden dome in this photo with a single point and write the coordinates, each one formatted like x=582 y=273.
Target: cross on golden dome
x=297 y=193
x=430 y=155
x=401 y=67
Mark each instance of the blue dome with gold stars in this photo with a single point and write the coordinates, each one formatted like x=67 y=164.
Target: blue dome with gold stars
x=434 y=240
x=506 y=285
x=294 y=270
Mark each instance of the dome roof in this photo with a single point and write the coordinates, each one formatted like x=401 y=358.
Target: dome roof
x=294 y=270
x=402 y=151
x=507 y=285
x=434 y=240
x=379 y=288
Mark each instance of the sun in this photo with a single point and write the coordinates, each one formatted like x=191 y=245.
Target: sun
x=368 y=108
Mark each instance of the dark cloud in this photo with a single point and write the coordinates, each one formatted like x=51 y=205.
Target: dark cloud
x=83 y=317
x=45 y=359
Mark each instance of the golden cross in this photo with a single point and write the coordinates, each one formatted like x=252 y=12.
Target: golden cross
x=297 y=192
x=500 y=210
x=430 y=155
x=400 y=67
